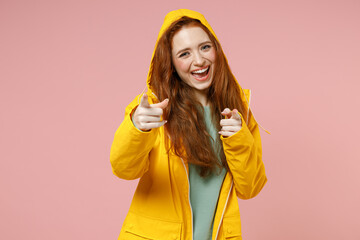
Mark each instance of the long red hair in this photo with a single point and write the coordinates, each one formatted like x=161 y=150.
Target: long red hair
x=186 y=127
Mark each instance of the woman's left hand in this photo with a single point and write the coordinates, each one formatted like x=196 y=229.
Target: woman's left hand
x=232 y=122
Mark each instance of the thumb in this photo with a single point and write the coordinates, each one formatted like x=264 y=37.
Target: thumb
x=161 y=105
x=144 y=101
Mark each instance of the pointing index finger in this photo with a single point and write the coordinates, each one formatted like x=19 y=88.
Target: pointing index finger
x=235 y=114
x=226 y=112
x=161 y=105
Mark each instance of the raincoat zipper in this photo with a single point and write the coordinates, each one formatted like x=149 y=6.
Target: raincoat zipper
x=222 y=215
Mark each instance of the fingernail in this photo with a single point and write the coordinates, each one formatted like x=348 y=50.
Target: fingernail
x=165 y=121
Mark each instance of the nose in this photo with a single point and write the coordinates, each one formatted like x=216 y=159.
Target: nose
x=199 y=60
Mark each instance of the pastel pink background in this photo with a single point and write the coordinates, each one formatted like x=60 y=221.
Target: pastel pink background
x=69 y=68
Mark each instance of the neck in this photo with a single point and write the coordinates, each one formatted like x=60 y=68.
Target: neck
x=202 y=97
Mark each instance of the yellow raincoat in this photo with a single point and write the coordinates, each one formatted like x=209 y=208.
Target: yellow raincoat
x=161 y=208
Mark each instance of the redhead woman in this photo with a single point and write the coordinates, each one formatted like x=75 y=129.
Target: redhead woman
x=191 y=138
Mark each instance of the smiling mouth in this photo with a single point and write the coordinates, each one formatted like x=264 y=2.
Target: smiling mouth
x=201 y=73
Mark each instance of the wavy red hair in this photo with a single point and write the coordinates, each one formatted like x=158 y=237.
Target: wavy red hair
x=186 y=128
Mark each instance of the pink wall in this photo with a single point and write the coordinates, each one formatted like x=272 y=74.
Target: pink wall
x=68 y=69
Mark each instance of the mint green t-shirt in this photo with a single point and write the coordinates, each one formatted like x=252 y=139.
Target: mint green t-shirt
x=204 y=192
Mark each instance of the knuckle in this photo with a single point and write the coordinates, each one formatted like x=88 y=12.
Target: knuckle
x=156 y=112
x=153 y=111
x=140 y=110
x=141 y=118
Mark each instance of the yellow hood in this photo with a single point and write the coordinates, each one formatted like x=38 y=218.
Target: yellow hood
x=168 y=20
x=172 y=17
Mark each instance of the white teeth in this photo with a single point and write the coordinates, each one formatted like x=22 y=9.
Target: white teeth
x=201 y=71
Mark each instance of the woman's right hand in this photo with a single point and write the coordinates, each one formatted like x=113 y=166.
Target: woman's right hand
x=148 y=116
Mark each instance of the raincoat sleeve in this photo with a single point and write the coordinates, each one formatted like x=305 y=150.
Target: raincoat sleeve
x=244 y=156
x=129 y=154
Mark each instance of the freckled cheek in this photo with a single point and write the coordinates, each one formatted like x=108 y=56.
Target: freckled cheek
x=182 y=66
x=212 y=56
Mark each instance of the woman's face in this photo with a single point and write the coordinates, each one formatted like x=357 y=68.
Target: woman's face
x=193 y=56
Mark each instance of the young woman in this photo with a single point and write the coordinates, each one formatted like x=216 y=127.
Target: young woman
x=191 y=139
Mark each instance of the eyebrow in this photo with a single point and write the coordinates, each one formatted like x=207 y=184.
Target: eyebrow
x=189 y=48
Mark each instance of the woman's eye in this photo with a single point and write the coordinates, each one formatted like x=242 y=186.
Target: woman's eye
x=184 y=54
x=206 y=47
